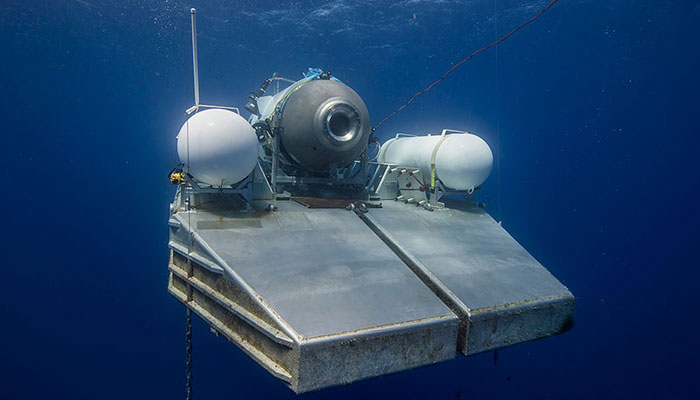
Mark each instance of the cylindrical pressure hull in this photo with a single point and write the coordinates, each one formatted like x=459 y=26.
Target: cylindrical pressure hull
x=324 y=123
x=461 y=161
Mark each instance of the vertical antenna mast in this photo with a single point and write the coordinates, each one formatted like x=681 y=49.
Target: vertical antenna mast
x=195 y=70
x=195 y=64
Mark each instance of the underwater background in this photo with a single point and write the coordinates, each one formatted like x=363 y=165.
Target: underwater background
x=592 y=112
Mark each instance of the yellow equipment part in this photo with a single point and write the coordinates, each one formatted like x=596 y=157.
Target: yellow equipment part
x=178 y=178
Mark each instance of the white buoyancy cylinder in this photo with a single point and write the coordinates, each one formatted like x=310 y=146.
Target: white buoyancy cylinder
x=219 y=147
x=462 y=161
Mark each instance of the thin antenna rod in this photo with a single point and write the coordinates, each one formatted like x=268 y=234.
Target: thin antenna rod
x=195 y=68
x=195 y=64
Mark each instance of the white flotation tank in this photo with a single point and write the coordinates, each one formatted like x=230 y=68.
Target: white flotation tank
x=219 y=147
x=462 y=161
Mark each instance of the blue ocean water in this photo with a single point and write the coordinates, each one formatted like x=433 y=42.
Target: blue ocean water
x=592 y=112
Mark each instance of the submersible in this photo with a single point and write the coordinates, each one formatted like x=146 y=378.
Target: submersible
x=330 y=259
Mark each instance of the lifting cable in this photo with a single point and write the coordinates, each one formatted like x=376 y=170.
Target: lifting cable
x=496 y=43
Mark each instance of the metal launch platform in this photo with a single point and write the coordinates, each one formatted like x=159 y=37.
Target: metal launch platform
x=311 y=294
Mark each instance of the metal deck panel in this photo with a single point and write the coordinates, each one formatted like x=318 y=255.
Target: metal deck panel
x=471 y=258
x=323 y=271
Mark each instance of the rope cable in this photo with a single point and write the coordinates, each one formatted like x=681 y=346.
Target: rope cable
x=459 y=64
x=498 y=113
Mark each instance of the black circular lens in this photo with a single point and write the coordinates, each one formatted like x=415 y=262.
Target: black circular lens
x=342 y=122
x=339 y=124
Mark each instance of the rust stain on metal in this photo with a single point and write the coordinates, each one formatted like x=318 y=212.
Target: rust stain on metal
x=317 y=202
x=519 y=303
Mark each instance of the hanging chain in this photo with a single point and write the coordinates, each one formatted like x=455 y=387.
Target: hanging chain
x=188 y=351
x=188 y=329
x=190 y=271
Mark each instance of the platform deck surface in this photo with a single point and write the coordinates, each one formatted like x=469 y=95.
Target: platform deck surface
x=322 y=270
x=470 y=253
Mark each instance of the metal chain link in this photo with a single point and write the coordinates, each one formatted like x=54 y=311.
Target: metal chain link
x=188 y=352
